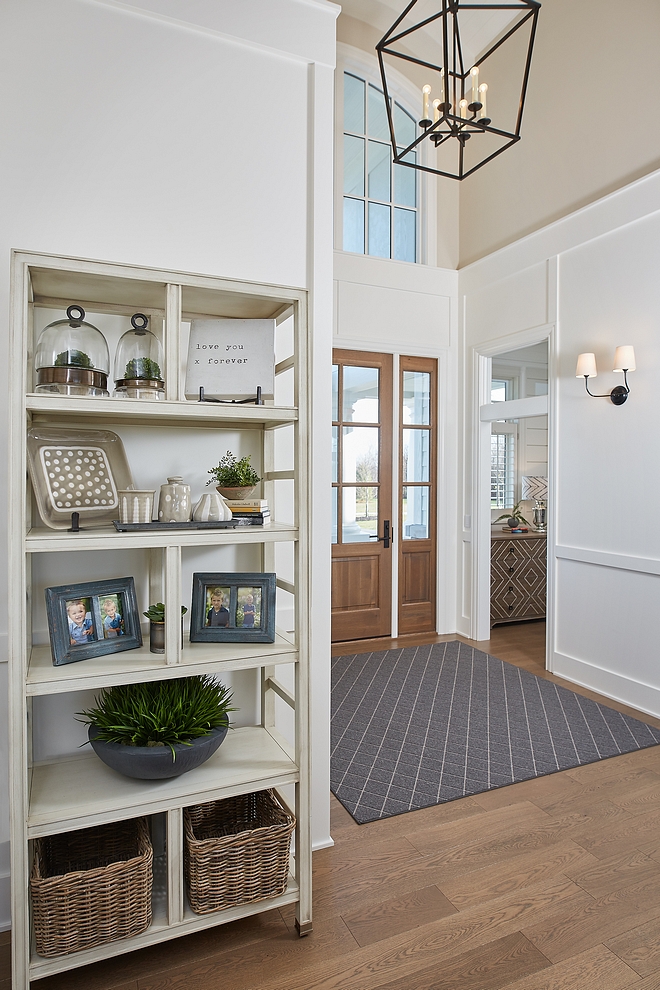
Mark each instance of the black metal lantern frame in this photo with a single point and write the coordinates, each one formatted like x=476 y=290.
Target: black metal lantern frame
x=458 y=118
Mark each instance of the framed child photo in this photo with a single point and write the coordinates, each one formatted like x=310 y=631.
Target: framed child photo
x=233 y=607
x=92 y=619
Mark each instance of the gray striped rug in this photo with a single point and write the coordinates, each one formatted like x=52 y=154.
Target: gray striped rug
x=428 y=724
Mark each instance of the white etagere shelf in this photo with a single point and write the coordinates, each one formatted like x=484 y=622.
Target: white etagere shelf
x=77 y=791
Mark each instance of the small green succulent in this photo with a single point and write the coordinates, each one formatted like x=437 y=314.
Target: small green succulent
x=156 y=613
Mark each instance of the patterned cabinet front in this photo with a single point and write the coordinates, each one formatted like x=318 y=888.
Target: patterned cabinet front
x=517 y=577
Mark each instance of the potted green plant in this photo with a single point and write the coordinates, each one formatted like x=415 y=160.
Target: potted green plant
x=159 y=729
x=234 y=479
x=156 y=615
x=514 y=518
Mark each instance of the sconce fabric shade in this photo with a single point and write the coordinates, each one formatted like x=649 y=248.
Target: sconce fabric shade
x=624 y=359
x=534 y=487
x=586 y=365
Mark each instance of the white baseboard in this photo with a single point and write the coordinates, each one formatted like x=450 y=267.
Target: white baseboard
x=644 y=697
x=323 y=843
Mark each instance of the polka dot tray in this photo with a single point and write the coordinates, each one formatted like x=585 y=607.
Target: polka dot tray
x=77 y=471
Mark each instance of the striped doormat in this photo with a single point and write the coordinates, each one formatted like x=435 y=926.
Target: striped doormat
x=428 y=724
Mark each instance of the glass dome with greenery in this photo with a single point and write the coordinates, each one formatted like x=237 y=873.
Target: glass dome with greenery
x=139 y=363
x=72 y=357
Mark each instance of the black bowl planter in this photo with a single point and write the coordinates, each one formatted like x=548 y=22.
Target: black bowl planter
x=155 y=762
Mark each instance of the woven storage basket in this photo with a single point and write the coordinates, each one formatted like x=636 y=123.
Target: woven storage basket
x=91 y=887
x=236 y=850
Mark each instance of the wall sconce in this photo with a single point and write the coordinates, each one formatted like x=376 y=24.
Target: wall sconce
x=624 y=360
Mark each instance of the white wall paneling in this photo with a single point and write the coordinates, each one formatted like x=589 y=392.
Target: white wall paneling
x=593 y=274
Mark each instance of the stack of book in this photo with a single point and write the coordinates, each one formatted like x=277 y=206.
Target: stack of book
x=251 y=511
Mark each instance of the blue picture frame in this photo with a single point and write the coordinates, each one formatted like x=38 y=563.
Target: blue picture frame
x=245 y=610
x=92 y=619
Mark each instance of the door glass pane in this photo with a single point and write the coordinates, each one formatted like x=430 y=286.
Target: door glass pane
x=416 y=397
x=360 y=454
x=415 y=513
x=335 y=440
x=379 y=171
x=360 y=395
x=354 y=165
x=416 y=455
x=404 y=126
x=353 y=104
x=354 y=225
x=360 y=514
x=378 y=127
x=366 y=508
x=335 y=393
x=405 y=235
x=405 y=189
x=335 y=496
x=379 y=230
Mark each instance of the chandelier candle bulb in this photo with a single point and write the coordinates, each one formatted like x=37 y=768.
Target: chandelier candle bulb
x=426 y=95
x=474 y=72
x=436 y=111
x=464 y=109
x=483 y=90
x=442 y=85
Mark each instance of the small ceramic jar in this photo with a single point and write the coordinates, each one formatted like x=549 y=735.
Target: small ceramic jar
x=174 y=501
x=211 y=508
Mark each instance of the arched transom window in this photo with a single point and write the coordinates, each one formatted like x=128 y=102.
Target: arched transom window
x=380 y=198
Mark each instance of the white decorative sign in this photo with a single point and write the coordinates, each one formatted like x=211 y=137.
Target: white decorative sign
x=230 y=358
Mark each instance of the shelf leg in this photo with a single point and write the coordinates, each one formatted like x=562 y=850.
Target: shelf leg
x=175 y=866
x=172 y=601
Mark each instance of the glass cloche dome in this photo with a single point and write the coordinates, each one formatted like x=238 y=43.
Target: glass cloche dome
x=72 y=357
x=139 y=363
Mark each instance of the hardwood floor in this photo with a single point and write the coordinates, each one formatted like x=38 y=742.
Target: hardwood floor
x=550 y=884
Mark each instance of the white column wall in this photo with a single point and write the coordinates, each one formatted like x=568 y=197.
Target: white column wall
x=593 y=275
x=401 y=308
x=182 y=134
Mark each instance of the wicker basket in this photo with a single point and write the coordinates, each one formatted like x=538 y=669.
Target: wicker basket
x=91 y=887
x=236 y=850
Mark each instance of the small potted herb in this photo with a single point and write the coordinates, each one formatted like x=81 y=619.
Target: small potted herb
x=159 y=729
x=234 y=479
x=156 y=615
x=514 y=518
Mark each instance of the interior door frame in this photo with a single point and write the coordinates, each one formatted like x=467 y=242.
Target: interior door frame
x=481 y=536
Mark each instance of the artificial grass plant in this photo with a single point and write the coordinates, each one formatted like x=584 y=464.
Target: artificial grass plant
x=160 y=713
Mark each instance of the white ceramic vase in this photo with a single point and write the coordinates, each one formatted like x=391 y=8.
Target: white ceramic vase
x=211 y=508
x=174 y=501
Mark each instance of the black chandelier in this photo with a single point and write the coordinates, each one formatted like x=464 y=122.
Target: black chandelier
x=463 y=43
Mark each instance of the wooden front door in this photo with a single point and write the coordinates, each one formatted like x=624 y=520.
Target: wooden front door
x=362 y=494
x=417 y=494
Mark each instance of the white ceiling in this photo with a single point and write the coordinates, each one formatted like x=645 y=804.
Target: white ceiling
x=478 y=28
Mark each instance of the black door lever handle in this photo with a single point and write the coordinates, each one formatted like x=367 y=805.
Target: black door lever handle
x=386 y=537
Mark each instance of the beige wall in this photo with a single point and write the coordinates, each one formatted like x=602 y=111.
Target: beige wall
x=590 y=126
